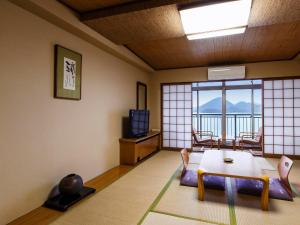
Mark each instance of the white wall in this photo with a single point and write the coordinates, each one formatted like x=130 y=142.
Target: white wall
x=253 y=70
x=42 y=138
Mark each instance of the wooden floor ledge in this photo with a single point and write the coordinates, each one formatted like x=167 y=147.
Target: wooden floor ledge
x=44 y=216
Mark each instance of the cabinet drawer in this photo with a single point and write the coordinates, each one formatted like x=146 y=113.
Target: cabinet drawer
x=147 y=147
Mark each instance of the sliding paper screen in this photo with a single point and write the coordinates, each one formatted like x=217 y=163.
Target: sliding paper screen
x=176 y=115
x=282 y=117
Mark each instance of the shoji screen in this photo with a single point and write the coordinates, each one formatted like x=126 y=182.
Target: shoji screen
x=177 y=115
x=282 y=116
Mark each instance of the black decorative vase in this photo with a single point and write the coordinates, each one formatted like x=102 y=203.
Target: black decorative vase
x=70 y=185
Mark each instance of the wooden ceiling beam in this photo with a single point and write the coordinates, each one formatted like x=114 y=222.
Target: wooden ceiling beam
x=137 y=6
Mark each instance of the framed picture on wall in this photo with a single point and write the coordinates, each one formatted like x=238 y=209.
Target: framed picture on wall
x=67 y=73
x=141 y=96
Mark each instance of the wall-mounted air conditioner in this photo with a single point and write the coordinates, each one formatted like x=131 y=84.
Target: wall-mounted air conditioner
x=226 y=73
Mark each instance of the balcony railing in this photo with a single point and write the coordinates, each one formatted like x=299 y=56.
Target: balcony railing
x=235 y=123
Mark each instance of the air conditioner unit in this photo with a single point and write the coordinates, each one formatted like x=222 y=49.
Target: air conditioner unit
x=226 y=73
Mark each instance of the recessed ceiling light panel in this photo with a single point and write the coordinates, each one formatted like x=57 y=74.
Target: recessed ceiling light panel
x=218 y=33
x=215 y=17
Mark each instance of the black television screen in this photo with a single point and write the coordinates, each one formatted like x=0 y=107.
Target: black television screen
x=138 y=122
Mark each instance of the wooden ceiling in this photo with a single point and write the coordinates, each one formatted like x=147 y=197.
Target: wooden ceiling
x=83 y=6
x=153 y=31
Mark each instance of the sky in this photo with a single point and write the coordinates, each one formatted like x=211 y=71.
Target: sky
x=233 y=96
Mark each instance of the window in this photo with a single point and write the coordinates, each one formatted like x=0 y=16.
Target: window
x=227 y=108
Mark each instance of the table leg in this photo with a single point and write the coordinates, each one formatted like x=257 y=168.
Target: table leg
x=200 y=185
x=265 y=193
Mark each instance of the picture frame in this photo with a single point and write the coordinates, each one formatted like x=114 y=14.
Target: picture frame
x=141 y=96
x=67 y=73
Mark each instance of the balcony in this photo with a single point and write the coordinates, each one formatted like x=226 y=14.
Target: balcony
x=235 y=123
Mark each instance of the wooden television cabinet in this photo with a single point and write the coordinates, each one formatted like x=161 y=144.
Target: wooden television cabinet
x=133 y=150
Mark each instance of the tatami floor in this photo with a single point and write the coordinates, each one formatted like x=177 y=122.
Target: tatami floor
x=150 y=194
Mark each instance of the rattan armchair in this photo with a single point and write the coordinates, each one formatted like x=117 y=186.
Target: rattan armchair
x=203 y=138
x=250 y=140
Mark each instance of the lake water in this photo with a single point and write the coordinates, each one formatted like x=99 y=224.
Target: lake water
x=213 y=122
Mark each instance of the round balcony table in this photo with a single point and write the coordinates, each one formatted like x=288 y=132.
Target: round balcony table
x=226 y=143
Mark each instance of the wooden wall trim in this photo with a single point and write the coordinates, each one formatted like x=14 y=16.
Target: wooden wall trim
x=130 y=7
x=57 y=14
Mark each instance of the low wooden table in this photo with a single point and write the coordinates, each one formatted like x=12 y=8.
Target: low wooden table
x=243 y=166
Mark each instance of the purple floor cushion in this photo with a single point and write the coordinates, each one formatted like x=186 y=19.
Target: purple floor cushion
x=190 y=178
x=255 y=187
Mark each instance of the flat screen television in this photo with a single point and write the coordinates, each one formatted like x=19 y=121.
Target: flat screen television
x=138 y=123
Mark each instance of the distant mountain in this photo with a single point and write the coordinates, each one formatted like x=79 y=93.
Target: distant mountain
x=241 y=107
x=215 y=106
